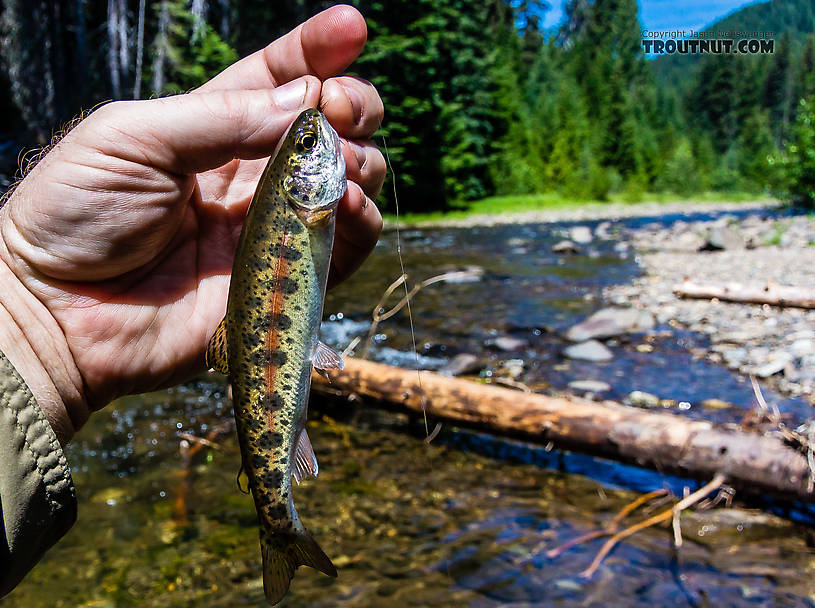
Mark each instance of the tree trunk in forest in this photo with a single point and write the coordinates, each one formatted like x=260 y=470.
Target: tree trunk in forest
x=198 y=10
x=113 y=48
x=139 y=51
x=161 y=47
x=776 y=295
x=668 y=443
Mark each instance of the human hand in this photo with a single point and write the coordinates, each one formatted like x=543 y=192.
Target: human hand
x=116 y=249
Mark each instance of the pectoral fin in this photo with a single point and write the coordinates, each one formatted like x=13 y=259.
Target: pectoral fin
x=323 y=357
x=216 y=350
x=305 y=462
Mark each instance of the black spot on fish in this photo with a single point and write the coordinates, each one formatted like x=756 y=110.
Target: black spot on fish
x=286 y=387
x=269 y=440
x=294 y=227
x=253 y=424
x=259 y=263
x=255 y=382
x=251 y=340
x=287 y=285
x=271 y=478
x=263 y=498
x=258 y=461
x=272 y=402
x=277 y=511
x=285 y=251
x=278 y=358
x=261 y=358
x=262 y=323
x=280 y=321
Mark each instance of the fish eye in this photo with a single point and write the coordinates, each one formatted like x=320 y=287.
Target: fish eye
x=306 y=142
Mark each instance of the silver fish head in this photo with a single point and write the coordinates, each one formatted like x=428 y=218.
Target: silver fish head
x=315 y=168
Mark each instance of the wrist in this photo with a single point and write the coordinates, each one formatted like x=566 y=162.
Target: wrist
x=34 y=343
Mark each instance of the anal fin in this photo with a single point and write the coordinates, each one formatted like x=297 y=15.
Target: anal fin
x=305 y=462
x=216 y=349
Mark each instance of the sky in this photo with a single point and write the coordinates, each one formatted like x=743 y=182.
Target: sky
x=668 y=14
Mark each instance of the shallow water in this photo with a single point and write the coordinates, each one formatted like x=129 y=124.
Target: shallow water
x=465 y=521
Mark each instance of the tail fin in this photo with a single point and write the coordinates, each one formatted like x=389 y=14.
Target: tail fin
x=282 y=554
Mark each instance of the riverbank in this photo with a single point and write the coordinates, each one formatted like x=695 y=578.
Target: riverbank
x=553 y=208
x=775 y=344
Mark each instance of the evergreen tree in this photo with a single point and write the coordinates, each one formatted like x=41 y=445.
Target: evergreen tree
x=605 y=55
x=756 y=146
x=796 y=166
x=434 y=63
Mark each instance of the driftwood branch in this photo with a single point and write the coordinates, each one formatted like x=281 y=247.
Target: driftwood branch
x=775 y=295
x=752 y=462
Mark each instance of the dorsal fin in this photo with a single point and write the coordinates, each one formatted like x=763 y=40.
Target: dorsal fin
x=216 y=349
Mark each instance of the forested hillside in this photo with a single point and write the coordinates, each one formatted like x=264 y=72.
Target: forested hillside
x=479 y=100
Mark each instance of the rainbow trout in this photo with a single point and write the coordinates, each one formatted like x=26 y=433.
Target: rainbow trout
x=267 y=342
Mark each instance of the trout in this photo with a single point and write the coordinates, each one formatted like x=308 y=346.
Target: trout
x=267 y=342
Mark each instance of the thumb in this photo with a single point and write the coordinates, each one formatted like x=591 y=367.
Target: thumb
x=200 y=131
x=111 y=193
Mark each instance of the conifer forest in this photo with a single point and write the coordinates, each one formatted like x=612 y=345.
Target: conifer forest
x=480 y=99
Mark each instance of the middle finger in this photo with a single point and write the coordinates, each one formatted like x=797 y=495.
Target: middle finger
x=365 y=165
x=352 y=106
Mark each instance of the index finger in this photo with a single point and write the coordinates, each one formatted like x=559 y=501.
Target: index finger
x=323 y=46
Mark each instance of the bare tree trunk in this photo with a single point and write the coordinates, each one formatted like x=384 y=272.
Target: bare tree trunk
x=198 y=10
x=124 y=41
x=223 y=30
x=161 y=47
x=113 y=48
x=139 y=50
x=757 y=463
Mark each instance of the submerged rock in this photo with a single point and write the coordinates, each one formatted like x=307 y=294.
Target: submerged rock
x=463 y=363
x=643 y=399
x=610 y=322
x=590 y=386
x=590 y=350
x=507 y=343
x=565 y=247
x=581 y=234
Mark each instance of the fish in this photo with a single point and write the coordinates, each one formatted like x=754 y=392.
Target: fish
x=267 y=343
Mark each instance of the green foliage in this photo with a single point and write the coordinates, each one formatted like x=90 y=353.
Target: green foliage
x=479 y=101
x=436 y=66
x=796 y=165
x=681 y=173
x=192 y=57
x=757 y=145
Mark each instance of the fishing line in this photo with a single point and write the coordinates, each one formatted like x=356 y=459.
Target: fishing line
x=428 y=436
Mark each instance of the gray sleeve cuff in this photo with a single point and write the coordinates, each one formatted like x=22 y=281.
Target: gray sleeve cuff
x=37 y=500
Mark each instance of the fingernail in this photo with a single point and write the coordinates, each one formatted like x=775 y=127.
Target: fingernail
x=291 y=95
x=356 y=102
x=359 y=152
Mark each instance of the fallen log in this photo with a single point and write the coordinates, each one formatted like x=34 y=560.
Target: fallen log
x=775 y=295
x=669 y=443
